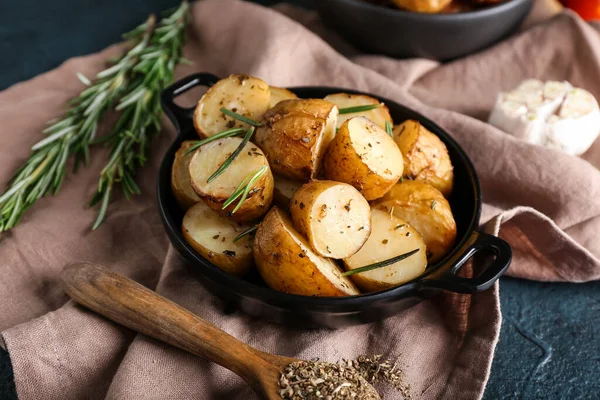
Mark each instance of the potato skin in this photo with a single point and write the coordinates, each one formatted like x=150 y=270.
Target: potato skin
x=333 y=216
x=246 y=95
x=287 y=265
x=378 y=115
x=424 y=6
x=425 y=156
x=426 y=209
x=279 y=94
x=259 y=198
x=284 y=191
x=294 y=136
x=212 y=236
x=390 y=237
x=180 y=178
x=343 y=162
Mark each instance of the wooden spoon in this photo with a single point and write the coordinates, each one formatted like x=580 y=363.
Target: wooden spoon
x=130 y=304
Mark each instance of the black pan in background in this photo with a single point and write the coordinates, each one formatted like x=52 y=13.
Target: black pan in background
x=253 y=297
x=404 y=34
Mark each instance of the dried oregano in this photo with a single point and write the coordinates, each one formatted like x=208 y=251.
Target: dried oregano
x=348 y=379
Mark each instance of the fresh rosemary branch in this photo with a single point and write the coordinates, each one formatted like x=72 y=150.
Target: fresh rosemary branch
x=228 y=133
x=140 y=109
x=388 y=129
x=247 y=232
x=240 y=117
x=43 y=173
x=254 y=178
x=243 y=189
x=233 y=156
x=380 y=264
x=357 y=109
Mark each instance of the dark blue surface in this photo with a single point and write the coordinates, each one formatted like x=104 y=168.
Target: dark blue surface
x=550 y=341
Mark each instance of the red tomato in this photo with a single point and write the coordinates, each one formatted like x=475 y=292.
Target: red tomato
x=588 y=9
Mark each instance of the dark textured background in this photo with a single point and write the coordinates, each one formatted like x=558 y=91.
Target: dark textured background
x=550 y=340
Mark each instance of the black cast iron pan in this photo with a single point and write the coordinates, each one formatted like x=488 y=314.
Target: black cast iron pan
x=252 y=296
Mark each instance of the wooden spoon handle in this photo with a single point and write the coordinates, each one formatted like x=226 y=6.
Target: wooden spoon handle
x=130 y=304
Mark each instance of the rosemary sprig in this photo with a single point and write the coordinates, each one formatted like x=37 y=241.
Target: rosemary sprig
x=389 y=129
x=380 y=264
x=357 y=109
x=240 y=117
x=220 y=135
x=140 y=109
x=248 y=231
x=233 y=156
x=43 y=173
x=243 y=189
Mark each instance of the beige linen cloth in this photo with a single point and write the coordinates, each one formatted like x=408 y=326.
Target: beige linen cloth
x=546 y=204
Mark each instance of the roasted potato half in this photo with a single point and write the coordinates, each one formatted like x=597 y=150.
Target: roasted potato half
x=425 y=208
x=180 y=178
x=288 y=264
x=295 y=134
x=425 y=156
x=390 y=237
x=378 y=115
x=424 y=6
x=208 y=158
x=242 y=94
x=279 y=94
x=284 y=191
x=212 y=236
x=334 y=216
x=364 y=156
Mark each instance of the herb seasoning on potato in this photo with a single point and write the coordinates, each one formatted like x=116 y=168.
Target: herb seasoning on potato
x=287 y=263
x=425 y=208
x=333 y=216
x=425 y=156
x=210 y=157
x=213 y=236
x=180 y=177
x=292 y=154
x=243 y=94
x=379 y=115
x=295 y=135
x=364 y=156
x=385 y=242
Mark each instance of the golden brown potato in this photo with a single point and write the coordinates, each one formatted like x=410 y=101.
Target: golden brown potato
x=242 y=94
x=364 y=156
x=390 y=237
x=424 y=6
x=279 y=94
x=284 y=191
x=425 y=156
x=208 y=158
x=212 y=236
x=378 y=115
x=426 y=209
x=180 y=178
x=295 y=135
x=334 y=216
x=287 y=263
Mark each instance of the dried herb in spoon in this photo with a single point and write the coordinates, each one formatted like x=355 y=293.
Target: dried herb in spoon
x=349 y=379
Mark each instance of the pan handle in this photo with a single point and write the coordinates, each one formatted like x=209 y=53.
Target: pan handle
x=447 y=278
x=182 y=117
